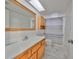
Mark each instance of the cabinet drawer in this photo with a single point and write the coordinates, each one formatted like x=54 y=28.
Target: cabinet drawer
x=36 y=47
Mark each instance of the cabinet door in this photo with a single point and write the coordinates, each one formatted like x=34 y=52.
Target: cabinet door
x=26 y=55
x=39 y=22
x=41 y=50
x=34 y=56
x=19 y=56
x=35 y=48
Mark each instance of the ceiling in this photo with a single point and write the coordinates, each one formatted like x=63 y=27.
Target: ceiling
x=54 y=6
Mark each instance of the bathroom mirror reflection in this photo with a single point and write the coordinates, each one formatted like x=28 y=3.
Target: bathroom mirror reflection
x=18 y=17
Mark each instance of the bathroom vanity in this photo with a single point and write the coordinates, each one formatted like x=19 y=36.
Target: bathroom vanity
x=32 y=48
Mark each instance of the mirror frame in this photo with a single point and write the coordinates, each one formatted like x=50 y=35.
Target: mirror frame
x=26 y=9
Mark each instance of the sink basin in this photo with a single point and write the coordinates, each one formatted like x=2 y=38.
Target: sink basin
x=25 y=38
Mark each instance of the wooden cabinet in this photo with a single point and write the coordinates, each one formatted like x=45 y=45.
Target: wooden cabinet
x=40 y=53
x=35 y=52
x=34 y=56
x=41 y=50
x=24 y=55
x=36 y=47
x=41 y=22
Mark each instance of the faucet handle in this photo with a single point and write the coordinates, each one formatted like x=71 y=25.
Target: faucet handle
x=26 y=37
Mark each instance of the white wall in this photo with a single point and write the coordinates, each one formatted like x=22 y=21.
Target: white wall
x=69 y=31
x=69 y=23
x=6 y=18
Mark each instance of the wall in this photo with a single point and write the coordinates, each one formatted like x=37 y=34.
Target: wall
x=7 y=18
x=54 y=15
x=69 y=23
x=69 y=31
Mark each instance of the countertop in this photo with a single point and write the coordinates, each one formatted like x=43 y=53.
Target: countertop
x=19 y=47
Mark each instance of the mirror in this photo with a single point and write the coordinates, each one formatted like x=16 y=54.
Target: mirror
x=18 y=17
